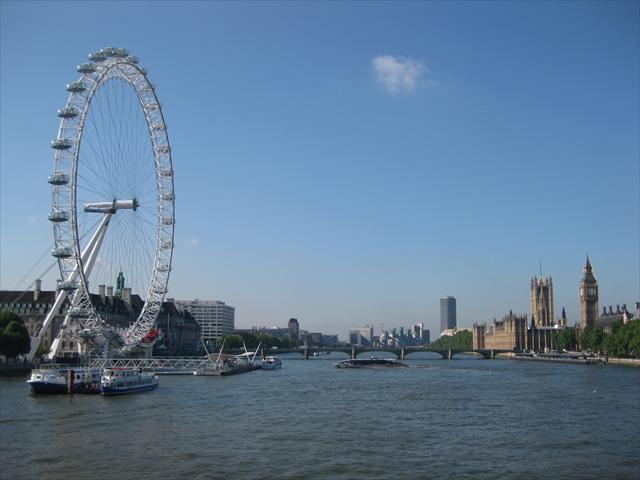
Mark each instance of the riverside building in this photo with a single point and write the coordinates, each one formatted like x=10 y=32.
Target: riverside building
x=215 y=318
x=447 y=313
x=361 y=336
x=120 y=308
x=293 y=328
x=516 y=332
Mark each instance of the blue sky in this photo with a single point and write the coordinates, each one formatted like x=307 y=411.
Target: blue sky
x=351 y=163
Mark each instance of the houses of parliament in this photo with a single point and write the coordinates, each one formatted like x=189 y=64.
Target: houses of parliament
x=536 y=333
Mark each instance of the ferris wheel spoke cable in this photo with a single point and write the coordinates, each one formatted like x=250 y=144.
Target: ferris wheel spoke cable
x=26 y=289
x=100 y=171
x=118 y=144
x=106 y=142
x=104 y=146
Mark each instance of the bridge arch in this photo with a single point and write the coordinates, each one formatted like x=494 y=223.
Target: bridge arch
x=368 y=353
x=472 y=353
x=425 y=355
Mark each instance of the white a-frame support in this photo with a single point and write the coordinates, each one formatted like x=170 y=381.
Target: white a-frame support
x=87 y=260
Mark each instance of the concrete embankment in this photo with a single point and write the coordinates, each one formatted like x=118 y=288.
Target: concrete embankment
x=627 y=362
x=18 y=368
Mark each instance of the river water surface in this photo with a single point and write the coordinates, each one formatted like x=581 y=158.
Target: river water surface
x=461 y=418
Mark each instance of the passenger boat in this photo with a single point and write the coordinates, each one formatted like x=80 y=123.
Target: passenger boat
x=121 y=381
x=55 y=379
x=370 y=362
x=271 y=363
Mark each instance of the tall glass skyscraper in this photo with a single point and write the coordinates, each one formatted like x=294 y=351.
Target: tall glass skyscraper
x=447 y=313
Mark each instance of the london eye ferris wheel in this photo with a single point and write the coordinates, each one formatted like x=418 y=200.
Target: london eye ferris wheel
x=112 y=206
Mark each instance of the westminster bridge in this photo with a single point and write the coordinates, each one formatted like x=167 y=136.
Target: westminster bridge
x=400 y=352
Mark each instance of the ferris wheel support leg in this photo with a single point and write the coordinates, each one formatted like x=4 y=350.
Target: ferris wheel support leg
x=35 y=341
x=88 y=255
x=88 y=260
x=55 y=345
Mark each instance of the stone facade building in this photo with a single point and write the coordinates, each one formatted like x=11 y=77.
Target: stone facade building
x=516 y=332
x=542 y=301
x=118 y=310
x=510 y=333
x=588 y=297
x=608 y=318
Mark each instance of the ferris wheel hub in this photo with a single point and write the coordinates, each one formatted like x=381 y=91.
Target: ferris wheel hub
x=111 y=207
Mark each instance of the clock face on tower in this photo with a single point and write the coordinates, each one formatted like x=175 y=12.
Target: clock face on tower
x=591 y=292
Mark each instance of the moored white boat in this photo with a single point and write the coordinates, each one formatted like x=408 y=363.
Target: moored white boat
x=120 y=381
x=271 y=363
x=55 y=379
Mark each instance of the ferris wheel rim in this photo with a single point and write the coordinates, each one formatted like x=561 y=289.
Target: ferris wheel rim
x=114 y=63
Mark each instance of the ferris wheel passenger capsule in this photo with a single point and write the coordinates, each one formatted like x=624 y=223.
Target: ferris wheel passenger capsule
x=132 y=59
x=76 y=87
x=58 y=178
x=67 y=285
x=62 y=252
x=86 y=68
x=77 y=312
x=108 y=51
x=98 y=56
x=59 y=216
x=68 y=112
x=61 y=144
x=120 y=52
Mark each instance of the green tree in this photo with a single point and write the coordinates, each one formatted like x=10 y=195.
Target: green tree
x=460 y=341
x=566 y=339
x=592 y=339
x=14 y=336
x=623 y=340
x=633 y=338
x=231 y=341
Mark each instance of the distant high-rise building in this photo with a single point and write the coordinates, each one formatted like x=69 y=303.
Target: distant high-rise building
x=588 y=297
x=361 y=335
x=216 y=319
x=542 y=301
x=294 y=329
x=447 y=313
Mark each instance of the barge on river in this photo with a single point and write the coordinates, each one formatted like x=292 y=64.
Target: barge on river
x=562 y=357
x=56 y=379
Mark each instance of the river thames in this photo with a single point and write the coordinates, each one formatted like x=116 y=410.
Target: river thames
x=461 y=418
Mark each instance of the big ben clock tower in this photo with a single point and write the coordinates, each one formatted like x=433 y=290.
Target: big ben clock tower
x=588 y=297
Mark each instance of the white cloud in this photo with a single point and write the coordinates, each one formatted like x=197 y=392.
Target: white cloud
x=398 y=74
